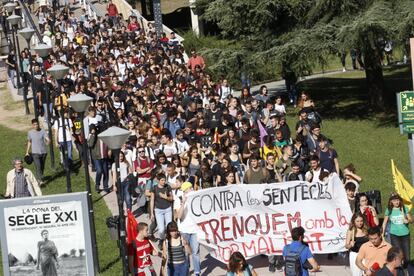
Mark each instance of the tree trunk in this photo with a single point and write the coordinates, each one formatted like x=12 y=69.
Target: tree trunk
x=375 y=78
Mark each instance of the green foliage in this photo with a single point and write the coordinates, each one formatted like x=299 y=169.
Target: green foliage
x=299 y=34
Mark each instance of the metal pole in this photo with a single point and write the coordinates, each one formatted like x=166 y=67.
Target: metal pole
x=90 y=202
x=122 y=230
x=18 y=65
x=410 y=136
x=35 y=102
x=49 y=124
x=65 y=147
x=16 y=60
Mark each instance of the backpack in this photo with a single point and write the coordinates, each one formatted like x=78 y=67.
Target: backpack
x=293 y=265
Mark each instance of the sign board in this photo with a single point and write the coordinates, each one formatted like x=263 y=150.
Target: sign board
x=257 y=218
x=46 y=235
x=405 y=105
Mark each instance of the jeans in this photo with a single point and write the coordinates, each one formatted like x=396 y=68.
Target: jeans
x=68 y=150
x=195 y=250
x=127 y=196
x=12 y=74
x=101 y=166
x=163 y=217
x=45 y=110
x=177 y=269
x=114 y=20
x=354 y=269
x=402 y=242
x=276 y=260
x=39 y=163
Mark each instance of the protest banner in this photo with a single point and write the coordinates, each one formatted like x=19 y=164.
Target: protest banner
x=46 y=235
x=257 y=219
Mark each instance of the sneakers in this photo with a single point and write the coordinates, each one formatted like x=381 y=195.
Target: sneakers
x=272 y=268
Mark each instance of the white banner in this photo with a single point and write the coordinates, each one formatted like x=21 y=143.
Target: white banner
x=257 y=219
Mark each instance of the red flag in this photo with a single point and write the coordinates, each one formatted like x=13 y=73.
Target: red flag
x=131 y=227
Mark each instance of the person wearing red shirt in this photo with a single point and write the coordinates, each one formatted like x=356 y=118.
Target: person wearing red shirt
x=133 y=25
x=143 y=166
x=112 y=12
x=139 y=254
x=195 y=60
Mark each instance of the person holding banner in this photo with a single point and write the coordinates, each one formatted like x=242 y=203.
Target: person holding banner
x=189 y=233
x=357 y=235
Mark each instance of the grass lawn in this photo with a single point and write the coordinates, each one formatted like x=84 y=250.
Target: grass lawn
x=362 y=137
x=13 y=144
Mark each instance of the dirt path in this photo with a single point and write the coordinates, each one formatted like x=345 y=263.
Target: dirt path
x=12 y=112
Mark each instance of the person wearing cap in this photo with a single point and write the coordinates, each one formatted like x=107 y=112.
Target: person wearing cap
x=188 y=233
x=21 y=182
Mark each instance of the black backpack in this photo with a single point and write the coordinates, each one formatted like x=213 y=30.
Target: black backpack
x=293 y=265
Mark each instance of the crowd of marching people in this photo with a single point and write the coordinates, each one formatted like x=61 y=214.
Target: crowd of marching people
x=188 y=131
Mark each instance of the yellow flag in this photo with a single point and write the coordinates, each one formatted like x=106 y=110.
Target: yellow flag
x=402 y=186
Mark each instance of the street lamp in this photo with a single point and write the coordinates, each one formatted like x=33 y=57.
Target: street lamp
x=115 y=138
x=80 y=103
x=10 y=7
x=14 y=21
x=58 y=72
x=27 y=34
x=43 y=51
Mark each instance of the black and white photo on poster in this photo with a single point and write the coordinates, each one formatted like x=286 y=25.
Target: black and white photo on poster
x=46 y=239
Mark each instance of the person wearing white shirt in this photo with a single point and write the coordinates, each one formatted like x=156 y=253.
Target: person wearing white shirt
x=314 y=173
x=60 y=139
x=182 y=144
x=189 y=233
x=279 y=106
x=225 y=91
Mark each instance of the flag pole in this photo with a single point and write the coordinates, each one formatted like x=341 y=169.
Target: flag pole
x=410 y=135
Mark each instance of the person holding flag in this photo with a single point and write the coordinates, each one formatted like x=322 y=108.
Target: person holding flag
x=140 y=251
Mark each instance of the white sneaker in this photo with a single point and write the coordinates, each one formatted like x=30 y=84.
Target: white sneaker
x=343 y=70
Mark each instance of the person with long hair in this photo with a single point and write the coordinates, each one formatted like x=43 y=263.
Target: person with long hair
x=356 y=236
x=204 y=177
x=399 y=218
x=124 y=170
x=174 y=252
x=238 y=266
x=368 y=211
